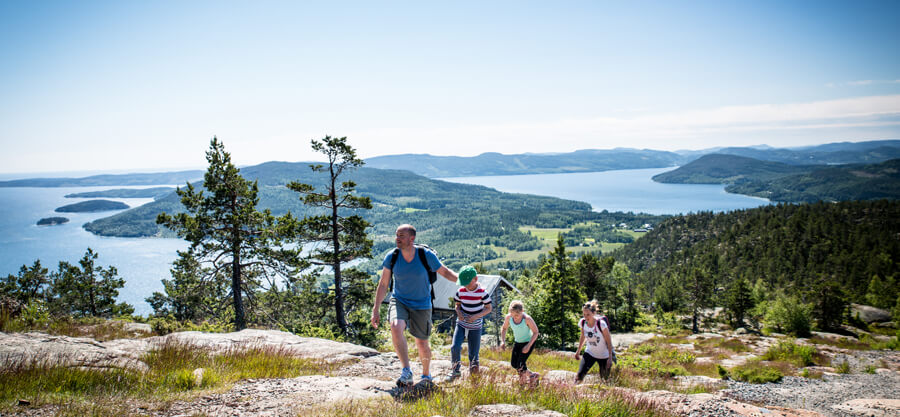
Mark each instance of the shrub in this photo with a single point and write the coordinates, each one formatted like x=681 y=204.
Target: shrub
x=788 y=350
x=843 y=367
x=788 y=314
x=756 y=373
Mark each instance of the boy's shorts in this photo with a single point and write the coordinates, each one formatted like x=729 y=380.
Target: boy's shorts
x=417 y=321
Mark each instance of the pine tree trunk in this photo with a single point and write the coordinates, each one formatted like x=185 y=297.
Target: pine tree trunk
x=336 y=242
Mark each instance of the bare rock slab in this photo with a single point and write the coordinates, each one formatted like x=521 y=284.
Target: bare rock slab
x=284 y=397
x=47 y=350
x=510 y=410
x=870 y=407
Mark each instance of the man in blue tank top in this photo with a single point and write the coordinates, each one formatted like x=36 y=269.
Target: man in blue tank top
x=410 y=305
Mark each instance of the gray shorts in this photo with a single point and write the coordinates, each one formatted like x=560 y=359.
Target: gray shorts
x=417 y=321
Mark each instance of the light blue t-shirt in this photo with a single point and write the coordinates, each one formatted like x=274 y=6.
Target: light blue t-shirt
x=411 y=285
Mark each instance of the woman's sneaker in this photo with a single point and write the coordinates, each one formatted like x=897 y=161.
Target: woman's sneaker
x=406 y=378
x=452 y=376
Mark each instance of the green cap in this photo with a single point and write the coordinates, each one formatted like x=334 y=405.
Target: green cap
x=466 y=274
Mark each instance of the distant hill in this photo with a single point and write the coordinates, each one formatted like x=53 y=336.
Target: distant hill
x=456 y=219
x=831 y=183
x=92 y=206
x=154 y=192
x=831 y=153
x=727 y=169
x=178 y=177
x=590 y=160
x=791 y=183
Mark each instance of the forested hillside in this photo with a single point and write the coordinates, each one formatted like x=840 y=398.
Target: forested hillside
x=492 y=163
x=797 y=248
x=831 y=183
x=726 y=169
x=457 y=219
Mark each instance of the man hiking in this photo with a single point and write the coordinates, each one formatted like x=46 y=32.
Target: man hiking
x=410 y=305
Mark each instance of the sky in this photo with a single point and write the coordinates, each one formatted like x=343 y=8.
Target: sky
x=140 y=86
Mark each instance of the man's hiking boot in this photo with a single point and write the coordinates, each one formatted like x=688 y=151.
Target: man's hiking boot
x=452 y=376
x=406 y=378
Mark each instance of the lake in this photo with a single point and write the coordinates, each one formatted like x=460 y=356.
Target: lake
x=622 y=190
x=143 y=262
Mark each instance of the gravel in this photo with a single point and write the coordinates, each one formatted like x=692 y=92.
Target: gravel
x=817 y=394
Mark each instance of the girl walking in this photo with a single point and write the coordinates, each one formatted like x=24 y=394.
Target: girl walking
x=595 y=332
x=525 y=334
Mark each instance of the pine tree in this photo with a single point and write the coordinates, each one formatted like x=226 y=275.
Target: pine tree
x=342 y=233
x=739 y=301
x=88 y=290
x=229 y=236
x=29 y=284
x=700 y=288
x=558 y=298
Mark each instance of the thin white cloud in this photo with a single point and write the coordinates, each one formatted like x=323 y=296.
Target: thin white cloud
x=864 y=117
x=859 y=83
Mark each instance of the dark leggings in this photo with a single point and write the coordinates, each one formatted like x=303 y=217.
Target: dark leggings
x=518 y=358
x=588 y=361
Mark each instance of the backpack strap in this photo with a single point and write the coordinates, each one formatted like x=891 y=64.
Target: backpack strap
x=394 y=256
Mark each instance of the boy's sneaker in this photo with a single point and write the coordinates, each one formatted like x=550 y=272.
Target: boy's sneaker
x=452 y=376
x=406 y=378
x=426 y=380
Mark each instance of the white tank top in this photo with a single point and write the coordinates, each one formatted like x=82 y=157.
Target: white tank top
x=593 y=338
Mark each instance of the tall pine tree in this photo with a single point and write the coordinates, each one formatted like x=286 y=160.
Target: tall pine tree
x=227 y=233
x=341 y=233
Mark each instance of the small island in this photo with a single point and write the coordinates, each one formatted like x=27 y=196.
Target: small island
x=92 y=206
x=52 y=221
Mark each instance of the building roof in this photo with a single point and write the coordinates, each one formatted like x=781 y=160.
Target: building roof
x=444 y=290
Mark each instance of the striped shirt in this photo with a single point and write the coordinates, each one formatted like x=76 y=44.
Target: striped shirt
x=471 y=303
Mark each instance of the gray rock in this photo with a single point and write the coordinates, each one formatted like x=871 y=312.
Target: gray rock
x=45 y=350
x=886 y=325
x=869 y=314
x=870 y=407
x=510 y=410
x=740 y=331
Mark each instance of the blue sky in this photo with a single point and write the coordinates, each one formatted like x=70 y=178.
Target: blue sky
x=128 y=85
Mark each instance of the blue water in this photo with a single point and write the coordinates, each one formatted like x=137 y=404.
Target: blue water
x=622 y=190
x=142 y=262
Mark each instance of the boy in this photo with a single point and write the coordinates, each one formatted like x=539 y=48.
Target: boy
x=472 y=304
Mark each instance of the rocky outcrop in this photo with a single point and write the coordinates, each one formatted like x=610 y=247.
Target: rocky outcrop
x=39 y=348
x=870 y=407
x=869 y=314
x=509 y=410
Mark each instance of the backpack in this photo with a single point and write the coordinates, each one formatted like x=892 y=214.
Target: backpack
x=602 y=317
x=432 y=275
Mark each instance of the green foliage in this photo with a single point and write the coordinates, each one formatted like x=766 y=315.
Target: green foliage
x=86 y=290
x=842 y=367
x=188 y=297
x=29 y=284
x=557 y=300
x=830 y=305
x=797 y=249
x=790 y=351
x=341 y=236
x=755 y=372
x=739 y=301
x=882 y=293
x=788 y=314
x=229 y=236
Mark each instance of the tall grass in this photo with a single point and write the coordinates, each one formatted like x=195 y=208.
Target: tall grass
x=499 y=388
x=171 y=372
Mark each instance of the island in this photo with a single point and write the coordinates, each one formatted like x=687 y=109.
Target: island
x=52 y=221
x=91 y=206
